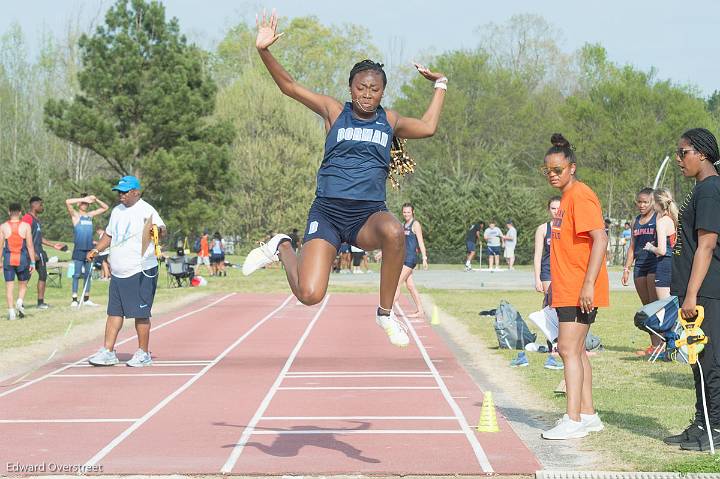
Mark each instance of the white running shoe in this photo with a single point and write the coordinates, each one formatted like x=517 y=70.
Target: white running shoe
x=104 y=357
x=74 y=303
x=566 y=428
x=263 y=255
x=20 y=308
x=140 y=359
x=11 y=315
x=592 y=422
x=89 y=303
x=396 y=330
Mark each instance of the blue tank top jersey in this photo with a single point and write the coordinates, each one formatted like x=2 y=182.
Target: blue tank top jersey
x=217 y=247
x=643 y=234
x=545 y=259
x=411 y=242
x=83 y=237
x=357 y=158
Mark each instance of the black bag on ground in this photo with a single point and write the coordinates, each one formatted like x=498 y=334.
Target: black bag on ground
x=512 y=332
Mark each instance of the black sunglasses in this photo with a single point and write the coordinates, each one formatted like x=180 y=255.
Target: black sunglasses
x=680 y=152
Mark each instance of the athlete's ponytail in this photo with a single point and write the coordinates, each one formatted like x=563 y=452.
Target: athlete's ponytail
x=663 y=198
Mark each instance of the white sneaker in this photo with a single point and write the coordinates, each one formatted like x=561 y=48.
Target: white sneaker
x=104 y=357
x=566 y=428
x=395 y=330
x=74 y=303
x=20 y=308
x=140 y=359
x=263 y=255
x=592 y=422
x=11 y=315
x=89 y=303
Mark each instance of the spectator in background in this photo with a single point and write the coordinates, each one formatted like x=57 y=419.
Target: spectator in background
x=510 y=240
x=625 y=238
x=31 y=218
x=101 y=260
x=217 y=258
x=472 y=243
x=666 y=230
x=493 y=238
x=203 y=258
x=82 y=221
x=18 y=257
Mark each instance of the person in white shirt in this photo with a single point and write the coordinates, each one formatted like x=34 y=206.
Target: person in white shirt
x=134 y=271
x=493 y=236
x=510 y=241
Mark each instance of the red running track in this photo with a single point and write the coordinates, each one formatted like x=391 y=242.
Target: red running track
x=257 y=384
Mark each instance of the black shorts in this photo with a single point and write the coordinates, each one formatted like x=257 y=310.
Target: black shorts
x=41 y=270
x=217 y=258
x=133 y=297
x=357 y=258
x=645 y=268
x=573 y=314
x=9 y=272
x=339 y=220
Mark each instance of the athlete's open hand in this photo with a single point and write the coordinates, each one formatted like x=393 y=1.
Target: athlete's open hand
x=424 y=71
x=266 y=30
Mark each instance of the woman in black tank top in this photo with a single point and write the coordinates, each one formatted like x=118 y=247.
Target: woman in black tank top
x=413 y=239
x=367 y=226
x=541 y=258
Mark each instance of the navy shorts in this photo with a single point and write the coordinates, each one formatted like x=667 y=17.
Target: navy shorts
x=344 y=248
x=644 y=268
x=339 y=220
x=11 y=271
x=217 y=258
x=545 y=271
x=132 y=297
x=470 y=246
x=663 y=272
x=410 y=261
x=493 y=250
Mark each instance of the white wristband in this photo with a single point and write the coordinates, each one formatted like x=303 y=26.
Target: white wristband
x=441 y=85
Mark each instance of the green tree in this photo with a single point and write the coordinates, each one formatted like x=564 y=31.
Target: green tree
x=143 y=107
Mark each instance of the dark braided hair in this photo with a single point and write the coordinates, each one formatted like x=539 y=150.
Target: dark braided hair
x=561 y=146
x=705 y=143
x=368 y=65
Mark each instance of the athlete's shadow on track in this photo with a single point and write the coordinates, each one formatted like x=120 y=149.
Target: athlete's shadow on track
x=289 y=445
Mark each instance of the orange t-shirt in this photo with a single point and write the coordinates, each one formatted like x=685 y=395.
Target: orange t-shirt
x=570 y=247
x=204 y=249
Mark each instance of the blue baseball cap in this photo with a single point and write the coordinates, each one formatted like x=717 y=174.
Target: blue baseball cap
x=126 y=184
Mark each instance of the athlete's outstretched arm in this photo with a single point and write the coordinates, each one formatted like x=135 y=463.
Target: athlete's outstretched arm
x=423 y=127
x=325 y=106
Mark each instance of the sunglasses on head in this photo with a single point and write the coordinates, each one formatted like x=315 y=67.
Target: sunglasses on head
x=558 y=170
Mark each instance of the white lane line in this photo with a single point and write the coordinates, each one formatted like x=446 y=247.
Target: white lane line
x=155 y=364
x=121 y=437
x=428 y=375
x=61 y=421
x=119 y=375
x=314 y=388
x=247 y=432
x=357 y=431
x=159 y=326
x=293 y=373
x=372 y=418
x=472 y=439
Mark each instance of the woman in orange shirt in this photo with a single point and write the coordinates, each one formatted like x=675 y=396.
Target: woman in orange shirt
x=579 y=284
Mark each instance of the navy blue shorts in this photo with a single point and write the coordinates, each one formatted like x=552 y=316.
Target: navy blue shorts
x=493 y=250
x=663 y=272
x=470 y=246
x=344 y=248
x=132 y=297
x=217 y=258
x=644 y=268
x=410 y=261
x=339 y=220
x=544 y=271
x=11 y=271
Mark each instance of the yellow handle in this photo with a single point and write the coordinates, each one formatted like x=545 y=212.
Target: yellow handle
x=156 y=240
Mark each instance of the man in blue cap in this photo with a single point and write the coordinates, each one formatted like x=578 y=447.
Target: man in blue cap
x=134 y=270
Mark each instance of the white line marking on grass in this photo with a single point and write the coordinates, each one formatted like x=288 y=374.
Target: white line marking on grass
x=474 y=443
x=315 y=388
x=61 y=421
x=355 y=418
x=119 y=375
x=121 y=437
x=167 y=323
x=357 y=431
x=247 y=432
x=292 y=373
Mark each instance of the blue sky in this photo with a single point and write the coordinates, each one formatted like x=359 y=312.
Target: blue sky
x=678 y=39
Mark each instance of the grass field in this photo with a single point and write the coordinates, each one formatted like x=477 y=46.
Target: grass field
x=639 y=402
